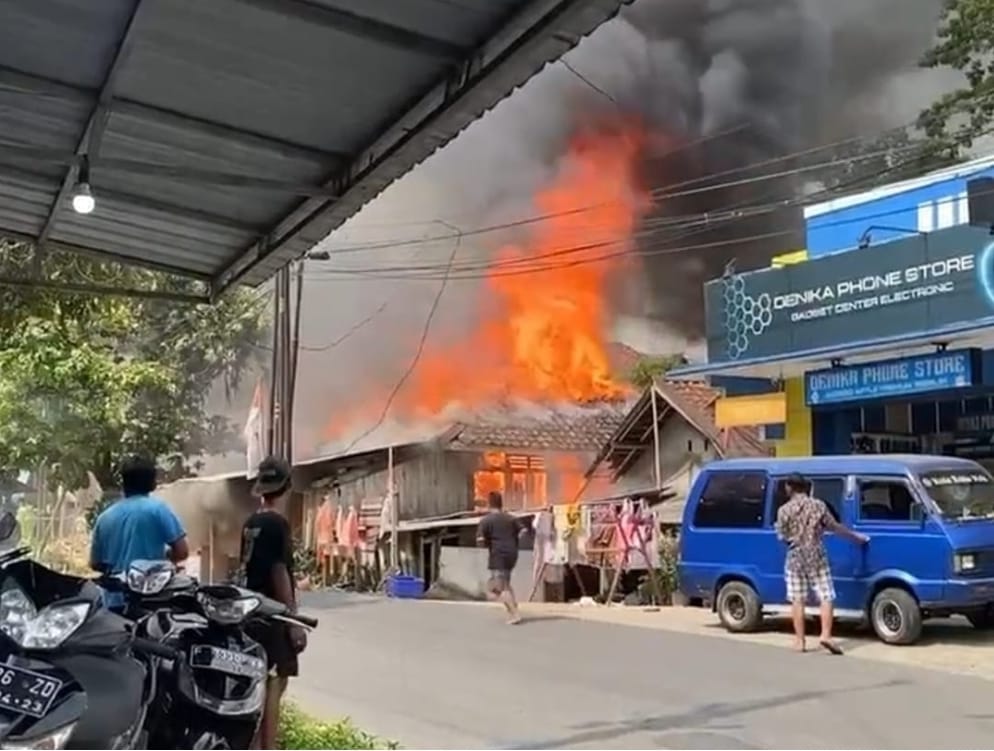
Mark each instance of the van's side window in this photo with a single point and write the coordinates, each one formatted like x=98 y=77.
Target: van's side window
x=732 y=500
x=829 y=490
x=887 y=500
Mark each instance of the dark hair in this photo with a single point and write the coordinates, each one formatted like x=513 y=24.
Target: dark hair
x=798 y=484
x=138 y=475
x=495 y=500
x=274 y=495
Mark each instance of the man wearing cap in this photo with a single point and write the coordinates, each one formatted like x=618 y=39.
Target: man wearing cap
x=267 y=568
x=801 y=523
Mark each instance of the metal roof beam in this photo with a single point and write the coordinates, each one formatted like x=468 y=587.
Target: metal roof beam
x=541 y=32
x=363 y=26
x=182 y=212
x=89 y=140
x=106 y=255
x=18 y=82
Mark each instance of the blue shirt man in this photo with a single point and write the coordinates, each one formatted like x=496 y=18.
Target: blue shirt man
x=137 y=527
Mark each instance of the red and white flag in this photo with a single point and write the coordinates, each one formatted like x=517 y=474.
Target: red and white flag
x=255 y=445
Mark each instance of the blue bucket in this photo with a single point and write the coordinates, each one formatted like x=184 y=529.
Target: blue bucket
x=405 y=587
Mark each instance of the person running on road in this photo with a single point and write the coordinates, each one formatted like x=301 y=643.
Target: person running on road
x=499 y=532
x=801 y=523
x=267 y=567
x=138 y=527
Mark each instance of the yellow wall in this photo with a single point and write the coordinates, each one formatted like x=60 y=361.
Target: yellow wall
x=785 y=259
x=798 y=434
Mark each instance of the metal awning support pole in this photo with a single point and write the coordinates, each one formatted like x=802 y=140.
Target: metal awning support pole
x=657 y=468
x=394 y=514
x=210 y=551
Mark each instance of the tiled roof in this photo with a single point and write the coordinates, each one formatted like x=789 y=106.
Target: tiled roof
x=699 y=399
x=622 y=357
x=572 y=429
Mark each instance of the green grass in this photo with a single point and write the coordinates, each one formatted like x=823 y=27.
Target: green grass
x=299 y=730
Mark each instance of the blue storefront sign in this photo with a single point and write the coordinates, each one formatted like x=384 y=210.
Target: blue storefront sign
x=906 y=376
x=939 y=283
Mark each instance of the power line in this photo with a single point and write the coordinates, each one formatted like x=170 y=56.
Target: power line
x=587 y=81
x=417 y=355
x=539 y=264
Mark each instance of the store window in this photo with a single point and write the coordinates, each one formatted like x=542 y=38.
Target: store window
x=829 y=490
x=887 y=500
x=732 y=500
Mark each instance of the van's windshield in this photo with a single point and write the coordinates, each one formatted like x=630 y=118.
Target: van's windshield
x=961 y=495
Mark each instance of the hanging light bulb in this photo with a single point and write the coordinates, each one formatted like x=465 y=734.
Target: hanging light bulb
x=83 y=201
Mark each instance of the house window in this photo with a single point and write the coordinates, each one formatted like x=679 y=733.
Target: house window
x=520 y=478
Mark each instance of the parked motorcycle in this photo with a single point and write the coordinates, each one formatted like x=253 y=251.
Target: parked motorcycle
x=212 y=688
x=71 y=673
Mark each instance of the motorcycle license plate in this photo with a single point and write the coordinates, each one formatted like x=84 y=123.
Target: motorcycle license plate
x=227 y=661
x=27 y=692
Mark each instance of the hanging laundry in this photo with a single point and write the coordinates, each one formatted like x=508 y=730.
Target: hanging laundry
x=324 y=527
x=545 y=537
x=561 y=548
x=350 y=530
x=386 y=516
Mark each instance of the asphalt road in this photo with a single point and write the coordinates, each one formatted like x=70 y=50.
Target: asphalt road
x=432 y=675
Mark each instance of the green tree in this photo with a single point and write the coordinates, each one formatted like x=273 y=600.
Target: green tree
x=650 y=367
x=965 y=42
x=84 y=378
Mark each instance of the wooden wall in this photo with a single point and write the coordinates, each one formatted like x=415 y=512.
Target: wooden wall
x=431 y=484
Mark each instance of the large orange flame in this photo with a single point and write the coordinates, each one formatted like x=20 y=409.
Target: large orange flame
x=544 y=328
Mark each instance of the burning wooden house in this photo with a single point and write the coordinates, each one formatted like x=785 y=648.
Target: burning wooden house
x=535 y=458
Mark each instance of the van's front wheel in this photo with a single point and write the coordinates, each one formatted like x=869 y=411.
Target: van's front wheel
x=739 y=608
x=896 y=616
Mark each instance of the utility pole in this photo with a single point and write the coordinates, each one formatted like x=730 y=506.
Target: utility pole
x=286 y=347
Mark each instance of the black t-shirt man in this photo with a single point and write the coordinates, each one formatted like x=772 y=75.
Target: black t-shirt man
x=266 y=541
x=267 y=564
x=499 y=531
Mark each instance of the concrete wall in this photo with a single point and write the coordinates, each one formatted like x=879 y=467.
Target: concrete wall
x=465 y=570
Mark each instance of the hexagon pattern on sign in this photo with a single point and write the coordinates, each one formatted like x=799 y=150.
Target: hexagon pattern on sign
x=744 y=315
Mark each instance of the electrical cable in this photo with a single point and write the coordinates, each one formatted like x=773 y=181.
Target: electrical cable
x=414 y=361
x=532 y=264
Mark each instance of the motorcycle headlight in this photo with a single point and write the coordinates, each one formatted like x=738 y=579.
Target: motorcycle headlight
x=56 y=739
x=31 y=629
x=228 y=611
x=148 y=582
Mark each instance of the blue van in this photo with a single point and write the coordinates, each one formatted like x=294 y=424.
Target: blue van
x=930 y=520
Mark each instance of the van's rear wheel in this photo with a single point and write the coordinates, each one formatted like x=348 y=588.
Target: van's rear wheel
x=896 y=616
x=982 y=619
x=739 y=608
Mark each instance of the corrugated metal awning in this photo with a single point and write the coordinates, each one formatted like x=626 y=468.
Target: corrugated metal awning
x=225 y=138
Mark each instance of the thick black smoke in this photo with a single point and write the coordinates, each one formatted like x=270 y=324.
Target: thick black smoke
x=736 y=84
x=783 y=74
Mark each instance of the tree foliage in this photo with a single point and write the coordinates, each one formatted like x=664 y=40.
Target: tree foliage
x=650 y=367
x=965 y=42
x=84 y=378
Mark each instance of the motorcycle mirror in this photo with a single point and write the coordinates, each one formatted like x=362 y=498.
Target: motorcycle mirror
x=8 y=527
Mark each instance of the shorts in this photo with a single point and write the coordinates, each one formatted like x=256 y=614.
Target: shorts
x=802 y=581
x=500 y=580
x=281 y=657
